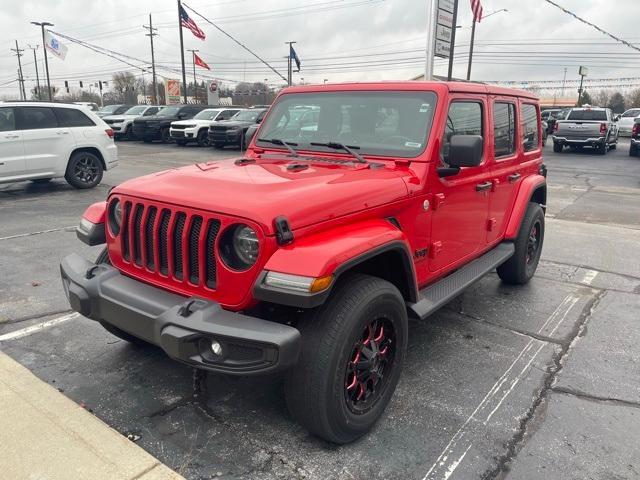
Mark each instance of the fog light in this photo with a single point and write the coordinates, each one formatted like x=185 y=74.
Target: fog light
x=216 y=348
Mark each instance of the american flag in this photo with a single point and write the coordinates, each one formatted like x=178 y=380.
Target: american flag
x=476 y=8
x=187 y=22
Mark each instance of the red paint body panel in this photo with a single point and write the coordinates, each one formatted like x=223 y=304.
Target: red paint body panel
x=337 y=212
x=95 y=213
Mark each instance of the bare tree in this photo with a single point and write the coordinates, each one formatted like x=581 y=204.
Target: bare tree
x=602 y=98
x=633 y=99
x=125 y=87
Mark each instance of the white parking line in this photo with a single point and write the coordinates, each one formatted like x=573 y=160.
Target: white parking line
x=589 y=277
x=458 y=446
x=38 y=233
x=24 y=332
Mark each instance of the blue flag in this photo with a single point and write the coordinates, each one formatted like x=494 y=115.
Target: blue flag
x=294 y=56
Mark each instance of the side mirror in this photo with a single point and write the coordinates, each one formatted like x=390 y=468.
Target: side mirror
x=465 y=151
x=616 y=118
x=248 y=136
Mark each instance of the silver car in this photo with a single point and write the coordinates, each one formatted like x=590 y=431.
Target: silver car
x=625 y=124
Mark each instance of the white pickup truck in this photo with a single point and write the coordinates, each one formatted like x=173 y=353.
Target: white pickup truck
x=586 y=127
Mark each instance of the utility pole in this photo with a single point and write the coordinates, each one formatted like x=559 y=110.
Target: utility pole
x=432 y=14
x=46 y=61
x=564 y=81
x=289 y=66
x=184 y=74
x=35 y=61
x=152 y=34
x=195 y=85
x=23 y=93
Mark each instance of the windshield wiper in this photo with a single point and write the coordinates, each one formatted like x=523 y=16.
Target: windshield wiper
x=288 y=145
x=340 y=146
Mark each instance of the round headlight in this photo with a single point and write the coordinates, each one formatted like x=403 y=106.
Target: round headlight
x=115 y=216
x=239 y=247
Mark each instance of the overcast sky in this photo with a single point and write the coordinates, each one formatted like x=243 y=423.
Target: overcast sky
x=338 y=40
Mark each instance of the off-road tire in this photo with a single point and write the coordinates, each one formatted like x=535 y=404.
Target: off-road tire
x=203 y=138
x=121 y=334
x=633 y=150
x=315 y=388
x=518 y=270
x=84 y=170
x=164 y=135
x=557 y=147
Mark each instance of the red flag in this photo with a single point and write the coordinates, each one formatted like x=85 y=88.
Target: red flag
x=476 y=8
x=198 y=61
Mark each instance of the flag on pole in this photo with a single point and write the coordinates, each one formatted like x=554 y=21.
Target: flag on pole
x=294 y=56
x=476 y=8
x=187 y=22
x=198 y=61
x=54 y=46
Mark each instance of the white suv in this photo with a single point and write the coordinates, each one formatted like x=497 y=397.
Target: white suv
x=123 y=124
x=40 y=141
x=196 y=129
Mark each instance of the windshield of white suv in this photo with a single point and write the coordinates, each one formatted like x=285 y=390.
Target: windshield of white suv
x=139 y=110
x=631 y=113
x=247 y=115
x=168 y=112
x=375 y=123
x=207 y=115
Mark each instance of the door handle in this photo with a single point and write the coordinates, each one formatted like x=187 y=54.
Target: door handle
x=483 y=187
x=63 y=132
x=12 y=136
x=514 y=177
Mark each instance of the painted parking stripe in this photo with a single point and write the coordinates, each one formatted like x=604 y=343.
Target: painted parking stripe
x=69 y=228
x=24 y=332
x=459 y=445
x=589 y=277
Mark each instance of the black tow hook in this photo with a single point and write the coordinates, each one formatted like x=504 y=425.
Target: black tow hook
x=91 y=272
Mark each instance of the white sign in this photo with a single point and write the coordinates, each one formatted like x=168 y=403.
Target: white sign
x=213 y=94
x=443 y=33
x=583 y=71
x=446 y=5
x=445 y=18
x=443 y=49
x=54 y=46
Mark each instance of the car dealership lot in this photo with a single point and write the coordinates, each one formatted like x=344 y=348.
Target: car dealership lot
x=532 y=381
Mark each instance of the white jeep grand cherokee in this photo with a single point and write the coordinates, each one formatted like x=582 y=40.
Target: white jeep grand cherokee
x=40 y=141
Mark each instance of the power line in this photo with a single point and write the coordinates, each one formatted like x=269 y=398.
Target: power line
x=569 y=12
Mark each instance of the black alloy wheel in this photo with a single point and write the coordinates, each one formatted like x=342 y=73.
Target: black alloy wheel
x=84 y=170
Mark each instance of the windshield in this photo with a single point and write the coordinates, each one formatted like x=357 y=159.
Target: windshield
x=247 y=115
x=631 y=113
x=139 y=110
x=109 y=108
x=207 y=115
x=379 y=123
x=587 y=115
x=168 y=112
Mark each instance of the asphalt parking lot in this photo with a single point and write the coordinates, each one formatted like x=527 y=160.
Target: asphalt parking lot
x=504 y=382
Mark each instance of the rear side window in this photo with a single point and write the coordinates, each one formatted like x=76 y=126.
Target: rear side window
x=7 y=119
x=34 y=118
x=464 y=118
x=529 y=127
x=151 y=111
x=588 y=115
x=68 y=117
x=504 y=128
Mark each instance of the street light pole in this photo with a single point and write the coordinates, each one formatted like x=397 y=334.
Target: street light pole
x=152 y=34
x=432 y=14
x=473 y=35
x=35 y=61
x=44 y=48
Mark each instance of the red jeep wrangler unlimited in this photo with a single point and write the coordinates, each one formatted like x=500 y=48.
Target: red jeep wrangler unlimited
x=308 y=254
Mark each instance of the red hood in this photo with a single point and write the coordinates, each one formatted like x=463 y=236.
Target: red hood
x=265 y=189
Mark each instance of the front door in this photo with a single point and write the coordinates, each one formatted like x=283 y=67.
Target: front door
x=460 y=202
x=11 y=147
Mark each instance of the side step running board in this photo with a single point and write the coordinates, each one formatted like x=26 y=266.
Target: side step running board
x=437 y=294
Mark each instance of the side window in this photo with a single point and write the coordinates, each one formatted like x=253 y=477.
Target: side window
x=464 y=118
x=150 y=111
x=68 y=117
x=7 y=119
x=504 y=128
x=529 y=127
x=33 y=118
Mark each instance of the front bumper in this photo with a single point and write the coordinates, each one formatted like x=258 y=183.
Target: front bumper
x=186 y=134
x=587 y=141
x=183 y=327
x=225 y=137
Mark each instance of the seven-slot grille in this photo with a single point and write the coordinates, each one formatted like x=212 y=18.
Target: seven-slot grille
x=170 y=242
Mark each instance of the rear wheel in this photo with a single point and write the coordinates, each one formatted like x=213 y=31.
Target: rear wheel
x=84 y=170
x=557 y=147
x=602 y=149
x=203 y=138
x=353 y=348
x=633 y=150
x=164 y=135
x=103 y=258
x=528 y=246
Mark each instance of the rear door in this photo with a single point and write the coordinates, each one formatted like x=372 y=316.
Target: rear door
x=461 y=202
x=505 y=167
x=47 y=145
x=11 y=146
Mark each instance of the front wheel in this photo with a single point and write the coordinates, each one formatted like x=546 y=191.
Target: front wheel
x=557 y=147
x=353 y=348
x=164 y=135
x=522 y=265
x=84 y=170
x=203 y=138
